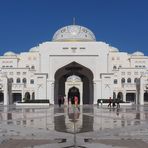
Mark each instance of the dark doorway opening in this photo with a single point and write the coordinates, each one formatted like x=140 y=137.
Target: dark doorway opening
x=146 y=97
x=131 y=97
x=72 y=93
x=1 y=97
x=83 y=72
x=17 y=97
x=27 y=96
x=120 y=96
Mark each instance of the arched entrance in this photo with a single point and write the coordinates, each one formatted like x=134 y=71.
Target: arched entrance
x=27 y=96
x=72 y=93
x=120 y=96
x=84 y=73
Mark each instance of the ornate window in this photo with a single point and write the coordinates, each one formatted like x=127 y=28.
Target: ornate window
x=129 y=73
x=115 y=81
x=10 y=73
x=31 y=81
x=32 y=67
x=18 y=80
x=129 y=80
x=136 y=80
x=123 y=80
x=24 y=80
x=114 y=67
x=122 y=73
x=24 y=73
x=18 y=73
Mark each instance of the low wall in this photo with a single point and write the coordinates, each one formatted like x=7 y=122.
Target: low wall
x=32 y=104
x=46 y=104
x=121 y=104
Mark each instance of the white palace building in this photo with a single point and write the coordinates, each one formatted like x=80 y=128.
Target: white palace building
x=73 y=64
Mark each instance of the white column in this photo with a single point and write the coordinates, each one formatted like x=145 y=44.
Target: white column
x=5 y=87
x=23 y=93
x=141 y=101
x=124 y=96
x=95 y=93
x=30 y=95
x=52 y=93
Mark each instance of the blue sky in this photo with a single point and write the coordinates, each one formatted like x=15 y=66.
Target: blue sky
x=27 y=23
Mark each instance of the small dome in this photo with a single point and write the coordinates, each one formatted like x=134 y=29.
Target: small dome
x=34 y=49
x=74 y=33
x=73 y=78
x=9 y=53
x=138 y=53
x=113 y=49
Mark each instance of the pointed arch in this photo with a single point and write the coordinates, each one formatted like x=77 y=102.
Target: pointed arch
x=77 y=69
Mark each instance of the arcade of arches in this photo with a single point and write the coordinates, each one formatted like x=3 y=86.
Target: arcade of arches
x=130 y=97
x=17 y=97
x=86 y=94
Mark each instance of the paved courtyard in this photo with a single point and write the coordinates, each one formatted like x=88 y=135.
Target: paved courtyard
x=66 y=127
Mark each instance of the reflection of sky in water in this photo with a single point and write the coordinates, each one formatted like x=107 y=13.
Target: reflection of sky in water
x=86 y=118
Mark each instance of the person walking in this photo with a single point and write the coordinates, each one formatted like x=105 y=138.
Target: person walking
x=110 y=102
x=76 y=101
x=114 y=103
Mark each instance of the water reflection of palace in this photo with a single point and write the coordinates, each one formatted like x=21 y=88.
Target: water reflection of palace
x=85 y=118
x=71 y=116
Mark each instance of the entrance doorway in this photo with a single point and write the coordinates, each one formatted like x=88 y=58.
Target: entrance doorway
x=17 y=97
x=79 y=70
x=120 y=96
x=73 y=84
x=130 y=97
x=146 y=97
x=1 y=97
x=73 y=92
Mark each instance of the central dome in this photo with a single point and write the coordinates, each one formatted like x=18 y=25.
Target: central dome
x=74 y=33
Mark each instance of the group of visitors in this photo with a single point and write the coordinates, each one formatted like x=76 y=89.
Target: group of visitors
x=65 y=101
x=114 y=102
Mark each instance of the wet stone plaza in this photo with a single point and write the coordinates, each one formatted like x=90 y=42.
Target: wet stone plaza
x=85 y=126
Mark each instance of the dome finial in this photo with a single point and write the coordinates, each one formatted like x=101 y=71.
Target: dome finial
x=74 y=21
